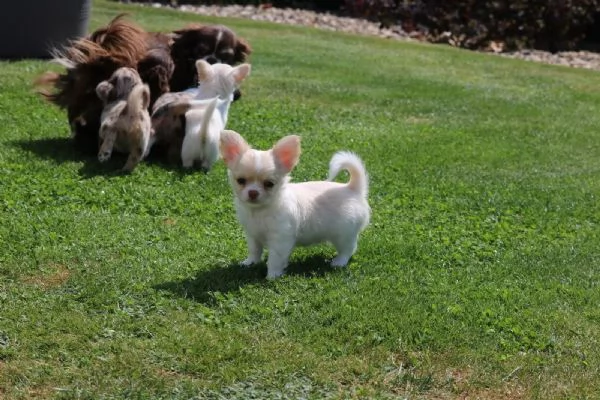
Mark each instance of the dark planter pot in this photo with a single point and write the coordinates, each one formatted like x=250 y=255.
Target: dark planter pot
x=31 y=28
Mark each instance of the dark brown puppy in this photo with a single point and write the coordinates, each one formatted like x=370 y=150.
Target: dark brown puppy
x=212 y=43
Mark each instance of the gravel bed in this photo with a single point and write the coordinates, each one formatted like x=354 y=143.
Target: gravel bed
x=576 y=59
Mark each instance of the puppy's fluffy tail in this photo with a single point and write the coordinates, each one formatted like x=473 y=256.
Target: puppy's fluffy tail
x=139 y=98
x=206 y=118
x=359 y=180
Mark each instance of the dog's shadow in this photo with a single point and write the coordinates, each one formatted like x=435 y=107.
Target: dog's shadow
x=59 y=150
x=231 y=278
x=64 y=150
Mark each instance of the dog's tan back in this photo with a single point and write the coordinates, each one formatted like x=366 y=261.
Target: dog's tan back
x=125 y=121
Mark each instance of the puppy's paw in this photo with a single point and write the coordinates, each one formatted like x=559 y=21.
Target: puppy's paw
x=271 y=275
x=339 y=261
x=104 y=156
x=248 y=262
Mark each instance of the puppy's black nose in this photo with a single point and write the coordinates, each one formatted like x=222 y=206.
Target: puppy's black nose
x=211 y=59
x=253 y=194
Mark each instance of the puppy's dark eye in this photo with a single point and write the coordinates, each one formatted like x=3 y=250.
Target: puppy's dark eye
x=268 y=184
x=241 y=181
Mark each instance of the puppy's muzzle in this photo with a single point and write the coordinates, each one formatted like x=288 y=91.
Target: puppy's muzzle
x=253 y=195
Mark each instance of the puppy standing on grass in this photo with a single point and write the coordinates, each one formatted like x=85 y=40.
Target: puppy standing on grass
x=203 y=126
x=125 y=122
x=278 y=215
x=203 y=111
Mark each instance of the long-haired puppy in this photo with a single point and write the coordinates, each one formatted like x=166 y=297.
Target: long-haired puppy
x=89 y=61
x=162 y=60
x=125 y=121
x=212 y=43
x=157 y=66
x=279 y=215
x=203 y=118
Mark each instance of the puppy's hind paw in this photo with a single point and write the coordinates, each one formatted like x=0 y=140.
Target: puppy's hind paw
x=271 y=275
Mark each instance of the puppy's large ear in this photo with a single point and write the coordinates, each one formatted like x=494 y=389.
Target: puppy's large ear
x=240 y=72
x=204 y=69
x=287 y=152
x=232 y=146
x=103 y=90
x=242 y=50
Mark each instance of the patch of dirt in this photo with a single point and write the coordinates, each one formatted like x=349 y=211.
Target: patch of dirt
x=58 y=275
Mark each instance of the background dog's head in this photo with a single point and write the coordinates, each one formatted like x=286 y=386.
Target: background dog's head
x=213 y=43
x=219 y=80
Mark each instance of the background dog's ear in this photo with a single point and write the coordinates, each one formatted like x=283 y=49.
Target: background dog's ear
x=242 y=50
x=232 y=146
x=287 y=152
x=103 y=90
x=204 y=70
x=241 y=72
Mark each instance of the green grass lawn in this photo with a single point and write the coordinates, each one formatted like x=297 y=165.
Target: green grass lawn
x=478 y=276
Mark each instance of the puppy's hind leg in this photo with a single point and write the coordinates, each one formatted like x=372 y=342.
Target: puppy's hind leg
x=134 y=158
x=109 y=136
x=188 y=152
x=345 y=246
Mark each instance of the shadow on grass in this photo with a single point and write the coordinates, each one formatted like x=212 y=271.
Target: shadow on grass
x=62 y=150
x=230 y=278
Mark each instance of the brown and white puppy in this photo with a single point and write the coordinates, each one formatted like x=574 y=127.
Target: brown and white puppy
x=125 y=121
x=212 y=43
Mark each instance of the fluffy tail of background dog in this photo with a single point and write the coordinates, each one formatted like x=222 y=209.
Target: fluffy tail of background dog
x=345 y=160
x=139 y=98
x=206 y=118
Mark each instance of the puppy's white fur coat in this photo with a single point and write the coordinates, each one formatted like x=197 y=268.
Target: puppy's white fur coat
x=278 y=215
x=209 y=112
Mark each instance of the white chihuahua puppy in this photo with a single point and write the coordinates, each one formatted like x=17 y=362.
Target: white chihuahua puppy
x=207 y=118
x=279 y=215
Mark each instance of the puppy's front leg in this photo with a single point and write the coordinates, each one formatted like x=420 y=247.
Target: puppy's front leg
x=255 y=250
x=109 y=136
x=279 y=255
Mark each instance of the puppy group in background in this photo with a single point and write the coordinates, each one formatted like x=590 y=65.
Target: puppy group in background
x=165 y=61
x=203 y=111
x=279 y=215
x=125 y=122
